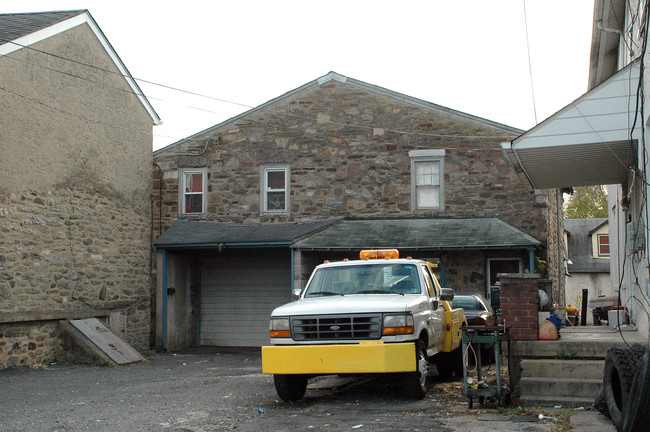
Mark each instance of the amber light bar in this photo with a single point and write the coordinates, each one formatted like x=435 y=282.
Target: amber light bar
x=379 y=254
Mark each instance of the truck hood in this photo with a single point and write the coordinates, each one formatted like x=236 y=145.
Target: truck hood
x=366 y=303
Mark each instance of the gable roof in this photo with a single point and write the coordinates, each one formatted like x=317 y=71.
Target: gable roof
x=333 y=76
x=419 y=234
x=581 y=248
x=18 y=31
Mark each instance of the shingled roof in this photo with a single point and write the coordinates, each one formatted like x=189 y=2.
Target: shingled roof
x=213 y=234
x=581 y=251
x=415 y=234
x=14 y=26
x=337 y=234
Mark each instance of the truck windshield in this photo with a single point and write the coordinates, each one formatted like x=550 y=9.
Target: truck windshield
x=364 y=279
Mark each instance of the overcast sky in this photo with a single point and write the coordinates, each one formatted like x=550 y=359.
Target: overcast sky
x=468 y=55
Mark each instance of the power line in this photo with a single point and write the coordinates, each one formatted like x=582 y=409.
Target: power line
x=402 y=132
x=530 y=67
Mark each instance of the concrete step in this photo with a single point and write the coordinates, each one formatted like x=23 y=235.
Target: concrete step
x=552 y=401
x=550 y=368
x=560 y=387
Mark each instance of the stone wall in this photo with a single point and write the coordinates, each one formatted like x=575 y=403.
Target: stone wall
x=348 y=151
x=27 y=344
x=69 y=253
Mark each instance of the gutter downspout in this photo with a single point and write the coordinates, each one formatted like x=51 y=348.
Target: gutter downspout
x=164 y=299
x=559 y=250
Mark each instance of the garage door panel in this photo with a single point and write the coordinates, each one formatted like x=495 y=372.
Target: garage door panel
x=238 y=296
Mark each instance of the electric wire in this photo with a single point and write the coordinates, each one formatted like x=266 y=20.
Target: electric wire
x=498 y=136
x=530 y=67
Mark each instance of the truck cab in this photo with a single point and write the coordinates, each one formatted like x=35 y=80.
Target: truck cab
x=378 y=314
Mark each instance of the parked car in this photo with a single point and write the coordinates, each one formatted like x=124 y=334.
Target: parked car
x=478 y=310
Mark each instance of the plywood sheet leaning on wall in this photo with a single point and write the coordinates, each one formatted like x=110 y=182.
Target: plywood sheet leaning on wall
x=92 y=336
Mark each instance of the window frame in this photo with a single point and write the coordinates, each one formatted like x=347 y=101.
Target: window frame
x=599 y=245
x=424 y=156
x=182 y=193
x=264 y=189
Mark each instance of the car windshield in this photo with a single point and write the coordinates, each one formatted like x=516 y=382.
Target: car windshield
x=467 y=303
x=364 y=279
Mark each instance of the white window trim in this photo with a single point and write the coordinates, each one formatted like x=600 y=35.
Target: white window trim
x=598 y=254
x=181 y=191
x=430 y=155
x=263 y=189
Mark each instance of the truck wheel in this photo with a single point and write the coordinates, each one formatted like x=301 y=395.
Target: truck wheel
x=637 y=417
x=456 y=359
x=449 y=363
x=620 y=367
x=415 y=383
x=290 y=388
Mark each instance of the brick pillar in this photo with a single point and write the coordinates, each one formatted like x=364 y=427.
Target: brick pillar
x=520 y=304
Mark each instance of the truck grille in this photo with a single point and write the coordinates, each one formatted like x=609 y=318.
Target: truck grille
x=336 y=327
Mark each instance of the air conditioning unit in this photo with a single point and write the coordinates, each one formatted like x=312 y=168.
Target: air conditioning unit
x=635 y=231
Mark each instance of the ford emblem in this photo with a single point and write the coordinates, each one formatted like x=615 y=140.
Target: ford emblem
x=335 y=328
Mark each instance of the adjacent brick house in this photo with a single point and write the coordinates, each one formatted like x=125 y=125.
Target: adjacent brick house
x=75 y=186
x=246 y=209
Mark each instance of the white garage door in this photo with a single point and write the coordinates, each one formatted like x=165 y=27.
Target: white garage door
x=238 y=295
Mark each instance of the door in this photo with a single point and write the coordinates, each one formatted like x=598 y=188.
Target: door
x=238 y=294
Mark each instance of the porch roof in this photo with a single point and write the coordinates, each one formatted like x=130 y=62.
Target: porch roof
x=419 y=234
x=193 y=234
x=588 y=142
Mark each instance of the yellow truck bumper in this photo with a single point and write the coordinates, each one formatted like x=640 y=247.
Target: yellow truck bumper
x=365 y=357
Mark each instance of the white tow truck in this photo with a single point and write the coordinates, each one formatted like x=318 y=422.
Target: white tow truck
x=378 y=314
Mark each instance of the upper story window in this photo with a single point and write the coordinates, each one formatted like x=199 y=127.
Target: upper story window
x=603 y=245
x=427 y=179
x=193 y=187
x=275 y=189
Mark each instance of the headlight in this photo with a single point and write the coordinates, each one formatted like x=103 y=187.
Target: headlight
x=279 y=327
x=398 y=324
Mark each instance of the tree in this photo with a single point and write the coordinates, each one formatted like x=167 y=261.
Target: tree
x=587 y=202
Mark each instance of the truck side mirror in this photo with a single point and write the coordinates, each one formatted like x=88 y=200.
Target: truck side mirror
x=447 y=294
x=296 y=294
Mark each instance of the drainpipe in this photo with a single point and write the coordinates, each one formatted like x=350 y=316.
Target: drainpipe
x=164 y=298
x=559 y=249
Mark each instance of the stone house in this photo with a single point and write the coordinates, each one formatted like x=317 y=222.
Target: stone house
x=75 y=186
x=587 y=242
x=245 y=209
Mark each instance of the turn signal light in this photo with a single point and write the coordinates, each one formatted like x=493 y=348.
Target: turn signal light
x=379 y=254
x=398 y=330
x=280 y=333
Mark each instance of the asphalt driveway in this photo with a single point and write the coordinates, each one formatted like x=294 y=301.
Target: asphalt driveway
x=221 y=391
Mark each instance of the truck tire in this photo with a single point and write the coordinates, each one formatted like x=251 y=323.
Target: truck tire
x=415 y=383
x=450 y=363
x=620 y=367
x=444 y=365
x=290 y=388
x=456 y=359
x=636 y=415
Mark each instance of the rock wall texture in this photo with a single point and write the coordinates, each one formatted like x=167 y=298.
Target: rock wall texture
x=348 y=152
x=70 y=251
x=75 y=186
x=348 y=146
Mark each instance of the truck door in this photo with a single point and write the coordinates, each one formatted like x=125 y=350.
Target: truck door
x=435 y=319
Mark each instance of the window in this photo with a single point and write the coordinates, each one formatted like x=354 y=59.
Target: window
x=275 y=189
x=603 y=245
x=427 y=175
x=192 y=191
x=431 y=289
